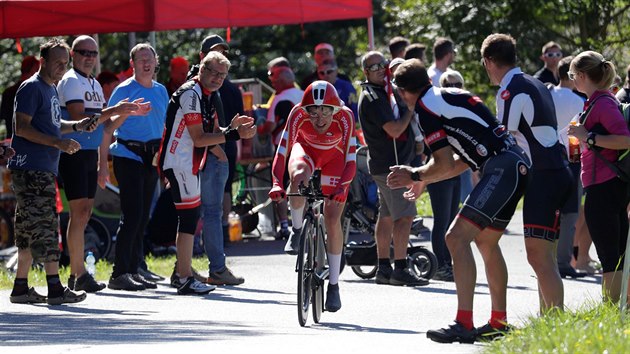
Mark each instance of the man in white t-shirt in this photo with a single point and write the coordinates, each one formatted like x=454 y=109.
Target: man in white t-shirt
x=443 y=56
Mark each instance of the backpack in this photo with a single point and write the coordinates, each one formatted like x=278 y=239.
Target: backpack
x=621 y=166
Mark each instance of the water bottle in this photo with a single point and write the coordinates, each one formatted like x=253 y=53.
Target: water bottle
x=90 y=263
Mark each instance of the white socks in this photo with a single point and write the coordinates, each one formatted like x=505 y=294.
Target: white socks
x=334 y=264
x=297 y=217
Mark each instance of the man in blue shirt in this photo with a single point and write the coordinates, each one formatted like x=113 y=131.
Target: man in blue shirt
x=37 y=141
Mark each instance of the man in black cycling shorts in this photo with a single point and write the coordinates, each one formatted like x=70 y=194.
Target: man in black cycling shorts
x=526 y=108
x=462 y=133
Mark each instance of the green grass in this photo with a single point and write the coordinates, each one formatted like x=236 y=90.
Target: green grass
x=160 y=265
x=594 y=328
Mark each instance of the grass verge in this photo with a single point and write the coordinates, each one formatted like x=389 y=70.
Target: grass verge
x=594 y=328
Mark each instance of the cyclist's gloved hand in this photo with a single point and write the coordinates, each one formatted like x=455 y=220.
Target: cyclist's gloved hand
x=339 y=195
x=277 y=193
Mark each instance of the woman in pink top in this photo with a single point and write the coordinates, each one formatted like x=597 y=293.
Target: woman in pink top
x=602 y=127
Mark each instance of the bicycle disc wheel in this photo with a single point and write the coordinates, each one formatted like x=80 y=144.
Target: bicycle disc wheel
x=305 y=269
x=320 y=265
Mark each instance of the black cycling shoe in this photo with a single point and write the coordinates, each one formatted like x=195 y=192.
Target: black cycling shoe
x=383 y=274
x=453 y=333
x=489 y=333
x=333 y=301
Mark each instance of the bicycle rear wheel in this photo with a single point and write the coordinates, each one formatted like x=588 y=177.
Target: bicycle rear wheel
x=305 y=268
x=320 y=265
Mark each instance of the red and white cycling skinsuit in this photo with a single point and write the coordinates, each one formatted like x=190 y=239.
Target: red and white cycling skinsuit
x=333 y=152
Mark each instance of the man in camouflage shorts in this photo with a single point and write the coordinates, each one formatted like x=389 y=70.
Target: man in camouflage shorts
x=37 y=142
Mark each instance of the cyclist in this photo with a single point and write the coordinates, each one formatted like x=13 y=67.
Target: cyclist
x=319 y=134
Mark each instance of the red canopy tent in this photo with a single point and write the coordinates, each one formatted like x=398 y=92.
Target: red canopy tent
x=27 y=18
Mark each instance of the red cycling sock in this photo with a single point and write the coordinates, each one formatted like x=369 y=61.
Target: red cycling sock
x=465 y=318
x=498 y=319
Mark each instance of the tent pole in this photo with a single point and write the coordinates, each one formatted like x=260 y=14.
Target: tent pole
x=370 y=26
x=97 y=67
x=152 y=39
x=132 y=40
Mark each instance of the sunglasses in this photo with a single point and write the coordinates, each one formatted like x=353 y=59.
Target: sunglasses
x=453 y=84
x=553 y=55
x=215 y=73
x=571 y=75
x=377 y=66
x=314 y=111
x=326 y=72
x=87 y=53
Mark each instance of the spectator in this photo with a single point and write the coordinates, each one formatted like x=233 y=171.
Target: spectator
x=37 y=141
x=183 y=154
x=417 y=51
x=29 y=67
x=311 y=141
x=218 y=171
x=108 y=81
x=602 y=127
x=286 y=96
x=623 y=95
x=443 y=56
x=328 y=71
x=455 y=122
x=397 y=46
x=137 y=142
x=390 y=142
x=178 y=70
x=525 y=107
x=568 y=105
x=81 y=96
x=551 y=55
x=322 y=52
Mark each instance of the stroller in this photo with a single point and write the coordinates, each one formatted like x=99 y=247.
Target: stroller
x=360 y=216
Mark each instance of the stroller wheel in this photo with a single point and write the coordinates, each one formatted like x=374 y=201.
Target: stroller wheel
x=424 y=263
x=365 y=272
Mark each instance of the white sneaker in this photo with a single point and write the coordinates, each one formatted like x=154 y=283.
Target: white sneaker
x=194 y=287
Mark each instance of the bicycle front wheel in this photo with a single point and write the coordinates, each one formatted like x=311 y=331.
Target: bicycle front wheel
x=305 y=267
x=320 y=265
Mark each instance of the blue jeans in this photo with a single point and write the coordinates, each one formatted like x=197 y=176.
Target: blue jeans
x=213 y=179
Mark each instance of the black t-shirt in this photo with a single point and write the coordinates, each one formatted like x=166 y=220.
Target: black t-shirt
x=546 y=76
x=623 y=95
x=375 y=111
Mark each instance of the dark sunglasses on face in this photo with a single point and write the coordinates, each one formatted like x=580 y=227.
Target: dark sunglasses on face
x=326 y=72
x=453 y=84
x=553 y=55
x=377 y=66
x=87 y=53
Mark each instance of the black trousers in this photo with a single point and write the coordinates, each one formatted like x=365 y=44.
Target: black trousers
x=137 y=183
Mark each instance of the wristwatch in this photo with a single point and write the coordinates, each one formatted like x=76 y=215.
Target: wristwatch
x=415 y=176
x=590 y=139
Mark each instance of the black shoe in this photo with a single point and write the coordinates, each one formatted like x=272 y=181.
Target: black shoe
x=68 y=296
x=333 y=301
x=293 y=243
x=31 y=297
x=383 y=274
x=444 y=273
x=489 y=333
x=71 y=281
x=140 y=279
x=149 y=275
x=570 y=272
x=453 y=333
x=406 y=277
x=283 y=234
x=175 y=283
x=87 y=283
x=125 y=282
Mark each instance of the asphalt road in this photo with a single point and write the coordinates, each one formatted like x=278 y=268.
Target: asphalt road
x=261 y=315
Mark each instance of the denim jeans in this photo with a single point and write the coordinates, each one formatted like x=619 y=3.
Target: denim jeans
x=213 y=179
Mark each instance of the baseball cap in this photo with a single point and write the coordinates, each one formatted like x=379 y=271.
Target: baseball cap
x=212 y=41
x=396 y=61
x=324 y=46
